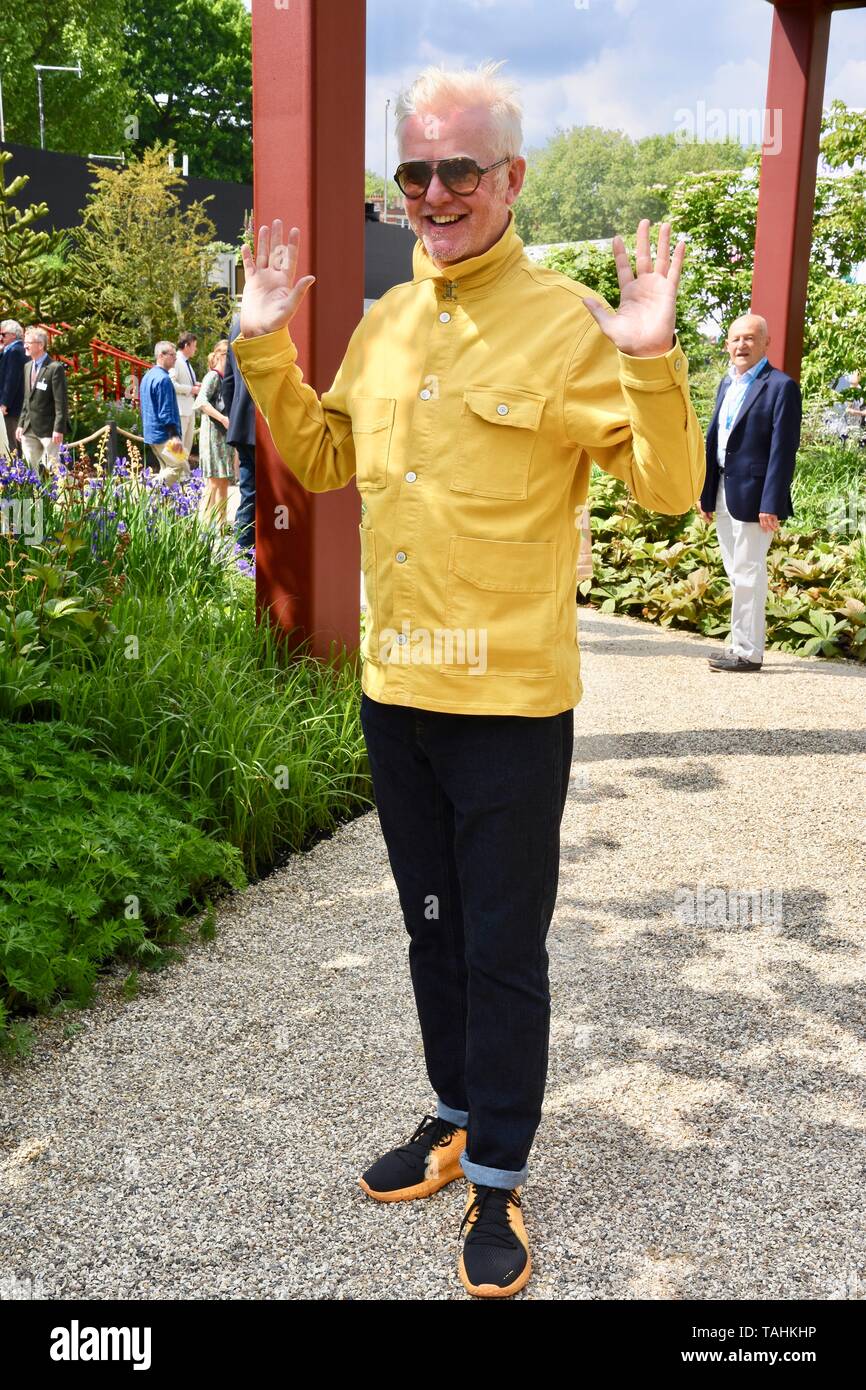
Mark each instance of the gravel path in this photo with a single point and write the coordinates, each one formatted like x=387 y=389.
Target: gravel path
x=703 y=1134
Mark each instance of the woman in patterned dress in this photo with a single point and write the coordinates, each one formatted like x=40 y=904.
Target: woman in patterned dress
x=214 y=453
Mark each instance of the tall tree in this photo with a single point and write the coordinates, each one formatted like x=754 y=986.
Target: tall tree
x=142 y=259
x=32 y=260
x=588 y=183
x=574 y=186
x=189 y=65
x=82 y=115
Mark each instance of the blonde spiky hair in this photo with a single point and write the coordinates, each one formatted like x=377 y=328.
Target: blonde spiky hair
x=437 y=89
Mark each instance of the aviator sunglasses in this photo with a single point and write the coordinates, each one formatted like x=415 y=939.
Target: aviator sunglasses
x=460 y=174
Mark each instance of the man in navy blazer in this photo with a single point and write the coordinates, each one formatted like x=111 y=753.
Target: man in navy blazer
x=752 y=447
x=12 y=360
x=241 y=410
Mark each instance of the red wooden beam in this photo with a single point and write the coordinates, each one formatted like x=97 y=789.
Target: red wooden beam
x=308 y=163
x=786 y=200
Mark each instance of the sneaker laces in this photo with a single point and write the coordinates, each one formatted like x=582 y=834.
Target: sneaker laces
x=433 y=1132
x=491 y=1204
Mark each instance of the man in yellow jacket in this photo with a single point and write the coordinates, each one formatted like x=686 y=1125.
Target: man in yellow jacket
x=468 y=408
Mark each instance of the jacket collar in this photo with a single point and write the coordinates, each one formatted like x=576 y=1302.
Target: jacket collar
x=476 y=272
x=756 y=386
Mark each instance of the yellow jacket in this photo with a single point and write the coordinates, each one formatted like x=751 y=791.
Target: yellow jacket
x=468 y=406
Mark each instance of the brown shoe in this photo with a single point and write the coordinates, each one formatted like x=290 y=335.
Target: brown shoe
x=429 y=1160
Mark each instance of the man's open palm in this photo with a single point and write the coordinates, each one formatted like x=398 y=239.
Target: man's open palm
x=271 y=298
x=643 y=325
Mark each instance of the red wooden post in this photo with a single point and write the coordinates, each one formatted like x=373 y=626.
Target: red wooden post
x=308 y=147
x=783 y=239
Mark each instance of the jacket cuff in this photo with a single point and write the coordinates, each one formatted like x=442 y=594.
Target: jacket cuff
x=266 y=352
x=654 y=373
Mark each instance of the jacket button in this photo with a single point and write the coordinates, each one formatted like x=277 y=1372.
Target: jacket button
x=401 y=639
x=678 y=363
x=502 y=410
x=445 y=318
x=425 y=394
x=400 y=557
x=410 y=476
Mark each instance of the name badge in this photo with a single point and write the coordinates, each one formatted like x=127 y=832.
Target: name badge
x=42 y=386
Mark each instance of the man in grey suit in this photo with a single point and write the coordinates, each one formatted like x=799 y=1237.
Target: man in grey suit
x=44 y=415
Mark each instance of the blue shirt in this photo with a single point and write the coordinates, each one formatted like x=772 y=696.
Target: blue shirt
x=733 y=402
x=160 y=417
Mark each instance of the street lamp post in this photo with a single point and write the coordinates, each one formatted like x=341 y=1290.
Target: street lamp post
x=48 y=67
x=385 y=181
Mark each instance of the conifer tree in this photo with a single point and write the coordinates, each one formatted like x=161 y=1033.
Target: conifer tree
x=32 y=259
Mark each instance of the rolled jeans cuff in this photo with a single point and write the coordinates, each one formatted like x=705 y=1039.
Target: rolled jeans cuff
x=492 y=1177
x=454 y=1117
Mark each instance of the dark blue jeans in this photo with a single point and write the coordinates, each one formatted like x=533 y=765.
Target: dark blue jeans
x=470 y=807
x=245 y=519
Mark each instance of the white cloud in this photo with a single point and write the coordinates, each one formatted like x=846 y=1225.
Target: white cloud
x=849 y=83
x=622 y=66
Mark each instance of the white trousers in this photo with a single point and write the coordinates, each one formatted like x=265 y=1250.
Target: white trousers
x=39 y=449
x=744 y=546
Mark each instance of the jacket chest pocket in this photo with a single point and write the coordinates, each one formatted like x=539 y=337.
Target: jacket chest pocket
x=372 y=428
x=500 y=607
x=496 y=437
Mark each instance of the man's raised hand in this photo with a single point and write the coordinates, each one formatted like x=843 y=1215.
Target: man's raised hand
x=643 y=325
x=271 y=298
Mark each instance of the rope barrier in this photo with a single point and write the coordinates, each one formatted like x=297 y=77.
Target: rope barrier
x=75 y=442
x=104 y=430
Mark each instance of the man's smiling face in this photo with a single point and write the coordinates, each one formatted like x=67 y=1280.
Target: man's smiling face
x=747 y=342
x=455 y=226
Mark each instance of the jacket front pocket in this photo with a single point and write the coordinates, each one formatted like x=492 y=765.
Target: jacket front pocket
x=370 y=644
x=500 y=607
x=372 y=427
x=497 y=434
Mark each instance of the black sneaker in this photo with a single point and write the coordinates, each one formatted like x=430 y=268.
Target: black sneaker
x=495 y=1261
x=429 y=1160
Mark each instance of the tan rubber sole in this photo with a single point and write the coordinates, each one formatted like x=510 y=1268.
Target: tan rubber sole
x=410 y=1194
x=493 y=1290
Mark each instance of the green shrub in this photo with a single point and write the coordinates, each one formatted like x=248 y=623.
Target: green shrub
x=93 y=864
x=207 y=708
x=668 y=570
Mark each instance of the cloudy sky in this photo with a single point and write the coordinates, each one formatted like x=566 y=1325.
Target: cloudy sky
x=636 y=65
